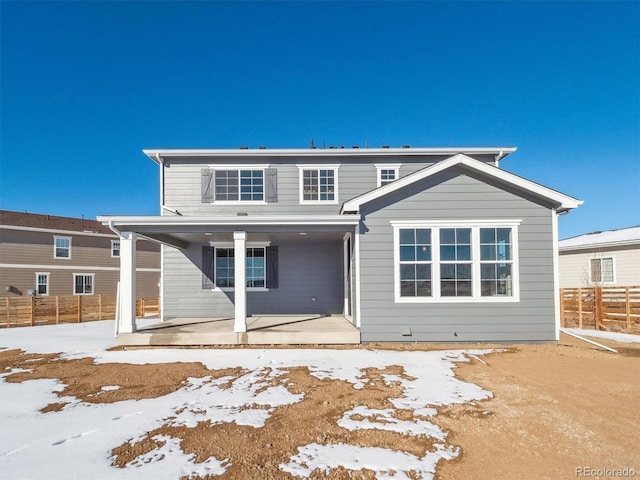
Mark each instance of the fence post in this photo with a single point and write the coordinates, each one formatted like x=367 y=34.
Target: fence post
x=628 y=305
x=79 y=306
x=57 y=309
x=33 y=311
x=579 y=308
x=8 y=313
x=100 y=307
x=598 y=307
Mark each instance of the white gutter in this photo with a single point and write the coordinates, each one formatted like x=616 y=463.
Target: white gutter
x=113 y=229
x=138 y=221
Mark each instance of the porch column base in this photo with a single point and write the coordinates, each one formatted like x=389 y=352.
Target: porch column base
x=240 y=253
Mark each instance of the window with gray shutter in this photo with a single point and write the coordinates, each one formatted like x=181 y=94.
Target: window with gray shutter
x=272 y=267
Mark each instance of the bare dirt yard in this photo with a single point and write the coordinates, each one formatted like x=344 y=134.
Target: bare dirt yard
x=555 y=409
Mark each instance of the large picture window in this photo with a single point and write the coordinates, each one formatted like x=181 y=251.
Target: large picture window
x=455 y=262
x=319 y=184
x=239 y=185
x=255 y=267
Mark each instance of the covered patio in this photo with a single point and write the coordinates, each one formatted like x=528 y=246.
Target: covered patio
x=308 y=299
x=261 y=330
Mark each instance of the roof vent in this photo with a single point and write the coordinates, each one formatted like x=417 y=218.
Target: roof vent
x=385 y=146
x=262 y=147
x=355 y=146
x=244 y=147
x=406 y=146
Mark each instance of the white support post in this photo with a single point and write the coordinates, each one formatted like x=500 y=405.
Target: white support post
x=127 y=282
x=240 y=254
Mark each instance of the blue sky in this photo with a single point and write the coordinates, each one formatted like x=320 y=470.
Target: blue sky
x=85 y=86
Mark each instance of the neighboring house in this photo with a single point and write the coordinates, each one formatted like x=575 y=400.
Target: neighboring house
x=408 y=244
x=49 y=255
x=609 y=258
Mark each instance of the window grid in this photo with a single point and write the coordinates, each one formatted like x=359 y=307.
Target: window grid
x=387 y=175
x=496 y=262
x=415 y=262
x=115 y=248
x=83 y=284
x=62 y=247
x=319 y=185
x=225 y=275
x=42 y=283
x=455 y=262
x=254 y=265
x=239 y=185
x=602 y=270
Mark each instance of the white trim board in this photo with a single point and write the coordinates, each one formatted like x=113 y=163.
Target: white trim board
x=71 y=267
x=55 y=231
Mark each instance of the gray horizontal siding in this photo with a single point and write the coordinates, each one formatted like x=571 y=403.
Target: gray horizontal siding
x=183 y=183
x=452 y=196
x=306 y=271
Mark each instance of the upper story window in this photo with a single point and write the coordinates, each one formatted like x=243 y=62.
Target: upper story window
x=601 y=270
x=115 y=248
x=61 y=247
x=455 y=262
x=239 y=185
x=318 y=184
x=387 y=173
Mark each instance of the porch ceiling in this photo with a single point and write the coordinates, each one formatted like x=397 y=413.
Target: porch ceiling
x=182 y=230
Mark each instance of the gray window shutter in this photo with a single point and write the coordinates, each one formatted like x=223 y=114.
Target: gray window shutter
x=272 y=267
x=271 y=185
x=208 y=267
x=207 y=177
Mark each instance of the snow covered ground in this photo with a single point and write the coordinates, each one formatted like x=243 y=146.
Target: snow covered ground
x=77 y=441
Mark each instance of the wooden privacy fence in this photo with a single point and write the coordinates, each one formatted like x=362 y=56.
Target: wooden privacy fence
x=614 y=309
x=51 y=310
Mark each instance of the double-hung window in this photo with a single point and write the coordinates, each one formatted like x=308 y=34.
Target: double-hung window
x=254 y=264
x=455 y=261
x=61 y=247
x=42 y=283
x=601 y=270
x=318 y=184
x=239 y=185
x=83 y=283
x=115 y=248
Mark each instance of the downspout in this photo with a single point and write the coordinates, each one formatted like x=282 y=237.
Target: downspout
x=160 y=161
x=499 y=156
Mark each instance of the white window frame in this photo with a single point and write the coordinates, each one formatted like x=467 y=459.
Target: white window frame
x=395 y=167
x=55 y=247
x=93 y=283
x=240 y=168
x=47 y=284
x=476 y=292
x=230 y=246
x=303 y=168
x=115 y=247
x=613 y=268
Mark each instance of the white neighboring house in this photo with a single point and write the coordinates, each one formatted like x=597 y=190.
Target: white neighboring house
x=609 y=258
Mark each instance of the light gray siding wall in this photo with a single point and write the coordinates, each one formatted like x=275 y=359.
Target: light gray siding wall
x=574 y=266
x=183 y=185
x=306 y=271
x=457 y=197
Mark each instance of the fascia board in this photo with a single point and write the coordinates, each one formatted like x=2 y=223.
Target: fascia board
x=153 y=221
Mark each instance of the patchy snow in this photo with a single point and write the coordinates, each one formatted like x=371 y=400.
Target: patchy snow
x=624 y=235
x=80 y=438
x=615 y=336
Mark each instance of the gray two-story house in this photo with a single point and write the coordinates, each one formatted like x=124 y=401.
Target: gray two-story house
x=407 y=244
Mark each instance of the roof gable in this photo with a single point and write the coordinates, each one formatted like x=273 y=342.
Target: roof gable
x=563 y=201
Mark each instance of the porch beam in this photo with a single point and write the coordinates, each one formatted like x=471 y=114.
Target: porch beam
x=240 y=287
x=127 y=319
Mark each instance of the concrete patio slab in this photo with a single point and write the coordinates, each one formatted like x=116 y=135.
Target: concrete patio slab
x=261 y=330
